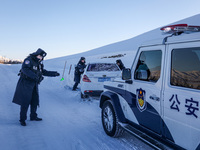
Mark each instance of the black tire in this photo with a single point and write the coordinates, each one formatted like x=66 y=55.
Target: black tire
x=84 y=96
x=110 y=121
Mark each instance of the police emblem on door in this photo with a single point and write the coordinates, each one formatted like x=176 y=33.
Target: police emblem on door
x=141 y=99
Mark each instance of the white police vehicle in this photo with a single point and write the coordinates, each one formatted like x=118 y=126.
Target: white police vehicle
x=95 y=75
x=158 y=99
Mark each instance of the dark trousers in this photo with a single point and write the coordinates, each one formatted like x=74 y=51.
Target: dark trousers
x=24 y=107
x=75 y=86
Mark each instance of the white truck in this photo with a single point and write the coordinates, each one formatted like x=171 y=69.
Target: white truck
x=158 y=99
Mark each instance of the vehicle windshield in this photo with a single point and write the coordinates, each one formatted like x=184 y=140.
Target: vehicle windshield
x=102 y=67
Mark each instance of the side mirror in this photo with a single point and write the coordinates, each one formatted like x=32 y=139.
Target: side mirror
x=126 y=74
x=142 y=75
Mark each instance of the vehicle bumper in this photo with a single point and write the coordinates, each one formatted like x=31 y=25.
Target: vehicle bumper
x=93 y=92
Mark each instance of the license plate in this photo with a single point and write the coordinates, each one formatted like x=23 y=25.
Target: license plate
x=103 y=79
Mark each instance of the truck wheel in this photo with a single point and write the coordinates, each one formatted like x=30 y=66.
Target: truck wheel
x=110 y=121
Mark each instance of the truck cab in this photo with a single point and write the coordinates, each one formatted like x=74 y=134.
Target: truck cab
x=159 y=95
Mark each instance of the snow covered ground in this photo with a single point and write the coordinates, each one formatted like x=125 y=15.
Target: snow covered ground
x=68 y=121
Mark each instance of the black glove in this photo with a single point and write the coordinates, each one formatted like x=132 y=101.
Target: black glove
x=57 y=74
x=40 y=79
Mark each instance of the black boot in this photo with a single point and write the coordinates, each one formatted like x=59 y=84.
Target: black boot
x=36 y=119
x=22 y=122
x=75 y=86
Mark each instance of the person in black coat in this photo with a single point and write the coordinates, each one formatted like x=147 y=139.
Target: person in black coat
x=79 y=69
x=120 y=64
x=26 y=93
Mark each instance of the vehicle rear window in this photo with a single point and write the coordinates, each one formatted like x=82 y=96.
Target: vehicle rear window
x=185 y=68
x=103 y=67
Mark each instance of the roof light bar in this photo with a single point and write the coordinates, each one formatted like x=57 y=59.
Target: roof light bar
x=180 y=28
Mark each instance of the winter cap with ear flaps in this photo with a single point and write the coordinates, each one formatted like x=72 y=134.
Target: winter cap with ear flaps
x=118 y=61
x=40 y=52
x=82 y=58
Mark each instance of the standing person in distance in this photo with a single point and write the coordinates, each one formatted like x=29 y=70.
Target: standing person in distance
x=120 y=64
x=26 y=93
x=79 y=69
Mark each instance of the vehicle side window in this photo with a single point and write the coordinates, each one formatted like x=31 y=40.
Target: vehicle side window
x=149 y=66
x=185 y=68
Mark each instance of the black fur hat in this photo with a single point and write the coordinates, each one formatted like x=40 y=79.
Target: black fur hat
x=119 y=61
x=82 y=58
x=40 y=52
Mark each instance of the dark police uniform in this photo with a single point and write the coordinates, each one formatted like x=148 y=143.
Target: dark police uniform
x=79 y=69
x=31 y=74
x=120 y=64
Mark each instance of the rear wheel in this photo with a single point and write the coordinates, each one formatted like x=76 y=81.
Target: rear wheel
x=110 y=121
x=84 y=96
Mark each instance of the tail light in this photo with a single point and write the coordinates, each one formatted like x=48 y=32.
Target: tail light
x=86 y=79
x=88 y=91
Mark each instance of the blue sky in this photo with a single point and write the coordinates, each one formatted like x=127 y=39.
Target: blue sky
x=65 y=27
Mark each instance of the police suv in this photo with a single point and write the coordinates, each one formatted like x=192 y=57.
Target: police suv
x=158 y=99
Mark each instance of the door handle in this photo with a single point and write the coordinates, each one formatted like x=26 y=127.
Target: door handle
x=153 y=97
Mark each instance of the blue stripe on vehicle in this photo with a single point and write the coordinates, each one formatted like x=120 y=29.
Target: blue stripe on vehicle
x=152 y=118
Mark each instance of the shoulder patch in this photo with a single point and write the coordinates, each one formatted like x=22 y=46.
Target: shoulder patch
x=27 y=62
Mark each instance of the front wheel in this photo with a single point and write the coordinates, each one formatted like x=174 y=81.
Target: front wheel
x=110 y=121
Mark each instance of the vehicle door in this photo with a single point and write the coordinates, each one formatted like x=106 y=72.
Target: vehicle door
x=144 y=94
x=182 y=94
